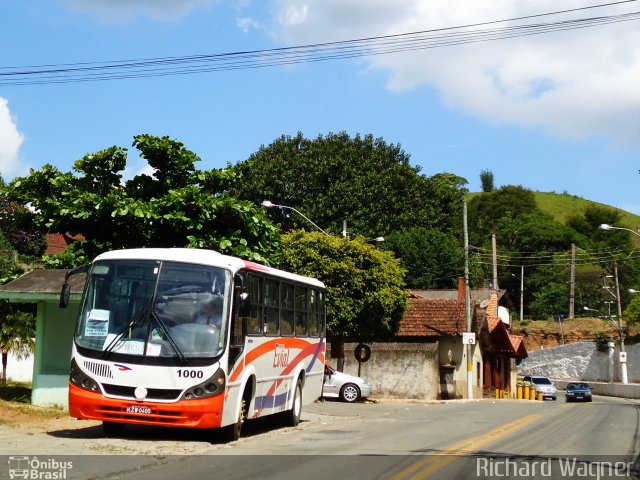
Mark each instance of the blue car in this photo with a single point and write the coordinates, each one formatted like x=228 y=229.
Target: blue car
x=578 y=392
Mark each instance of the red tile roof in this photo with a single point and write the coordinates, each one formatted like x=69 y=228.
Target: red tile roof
x=57 y=242
x=501 y=340
x=432 y=318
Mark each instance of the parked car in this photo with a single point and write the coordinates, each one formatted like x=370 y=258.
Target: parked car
x=544 y=385
x=348 y=388
x=578 y=391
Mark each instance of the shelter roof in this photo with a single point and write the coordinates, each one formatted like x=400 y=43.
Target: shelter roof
x=40 y=285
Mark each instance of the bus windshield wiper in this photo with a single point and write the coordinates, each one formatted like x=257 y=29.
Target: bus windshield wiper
x=134 y=321
x=169 y=338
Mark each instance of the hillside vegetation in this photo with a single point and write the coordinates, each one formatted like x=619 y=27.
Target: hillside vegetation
x=561 y=206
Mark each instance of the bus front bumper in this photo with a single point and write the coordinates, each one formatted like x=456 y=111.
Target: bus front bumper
x=201 y=413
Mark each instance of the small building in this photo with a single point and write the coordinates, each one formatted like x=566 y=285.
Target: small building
x=54 y=330
x=428 y=359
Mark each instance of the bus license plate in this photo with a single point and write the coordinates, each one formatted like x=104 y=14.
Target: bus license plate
x=138 y=409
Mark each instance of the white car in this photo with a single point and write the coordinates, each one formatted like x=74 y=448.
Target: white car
x=544 y=385
x=348 y=388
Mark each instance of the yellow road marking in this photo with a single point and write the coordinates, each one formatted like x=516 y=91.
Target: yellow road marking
x=436 y=461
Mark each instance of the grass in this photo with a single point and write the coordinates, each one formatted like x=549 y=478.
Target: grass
x=16 y=392
x=15 y=400
x=561 y=206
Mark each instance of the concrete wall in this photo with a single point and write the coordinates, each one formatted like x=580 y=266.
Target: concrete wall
x=20 y=370
x=581 y=361
x=54 y=336
x=631 y=390
x=398 y=370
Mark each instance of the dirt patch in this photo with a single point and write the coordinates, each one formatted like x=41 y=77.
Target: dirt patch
x=544 y=334
x=17 y=414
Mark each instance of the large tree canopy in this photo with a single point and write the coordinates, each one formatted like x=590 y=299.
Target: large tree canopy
x=364 y=181
x=177 y=206
x=432 y=258
x=365 y=287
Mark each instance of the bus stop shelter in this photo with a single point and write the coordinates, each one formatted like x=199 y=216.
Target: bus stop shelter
x=54 y=330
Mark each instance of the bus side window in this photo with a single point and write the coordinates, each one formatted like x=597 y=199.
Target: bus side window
x=254 y=287
x=271 y=307
x=302 y=314
x=286 y=308
x=314 y=328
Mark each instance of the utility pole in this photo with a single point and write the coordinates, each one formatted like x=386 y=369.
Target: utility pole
x=521 y=292
x=467 y=299
x=572 y=282
x=623 y=353
x=495 y=262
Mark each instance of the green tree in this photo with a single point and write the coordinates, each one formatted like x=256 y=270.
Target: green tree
x=334 y=178
x=176 y=206
x=486 y=180
x=485 y=210
x=365 y=288
x=534 y=232
x=632 y=312
x=432 y=258
x=17 y=330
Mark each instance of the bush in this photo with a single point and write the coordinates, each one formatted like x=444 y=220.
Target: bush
x=602 y=342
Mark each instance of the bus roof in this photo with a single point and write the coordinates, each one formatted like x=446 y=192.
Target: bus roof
x=202 y=257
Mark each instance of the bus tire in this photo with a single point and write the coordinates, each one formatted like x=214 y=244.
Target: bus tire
x=112 y=429
x=234 y=431
x=292 y=416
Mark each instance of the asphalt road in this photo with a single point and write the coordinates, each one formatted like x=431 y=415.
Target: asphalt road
x=397 y=440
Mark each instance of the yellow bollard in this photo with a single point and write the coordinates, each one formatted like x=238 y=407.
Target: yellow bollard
x=532 y=392
x=526 y=392
x=519 y=392
x=497 y=393
x=540 y=396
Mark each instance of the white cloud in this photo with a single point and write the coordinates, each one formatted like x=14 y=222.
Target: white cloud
x=247 y=23
x=123 y=10
x=10 y=141
x=573 y=84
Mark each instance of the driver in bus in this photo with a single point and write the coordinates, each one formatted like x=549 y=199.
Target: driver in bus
x=211 y=312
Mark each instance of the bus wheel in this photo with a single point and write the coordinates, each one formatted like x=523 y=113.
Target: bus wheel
x=235 y=430
x=293 y=416
x=112 y=429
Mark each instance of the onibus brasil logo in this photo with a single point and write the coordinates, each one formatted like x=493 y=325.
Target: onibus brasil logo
x=37 y=469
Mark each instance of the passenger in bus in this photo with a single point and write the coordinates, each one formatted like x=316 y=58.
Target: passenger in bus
x=210 y=312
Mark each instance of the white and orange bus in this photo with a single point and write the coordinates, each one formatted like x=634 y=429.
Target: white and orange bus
x=193 y=338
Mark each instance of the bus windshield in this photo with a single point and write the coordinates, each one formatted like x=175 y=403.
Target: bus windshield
x=148 y=308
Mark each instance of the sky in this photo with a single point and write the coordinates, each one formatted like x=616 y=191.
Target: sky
x=553 y=112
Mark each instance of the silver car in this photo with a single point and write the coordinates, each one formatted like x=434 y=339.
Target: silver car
x=544 y=385
x=348 y=388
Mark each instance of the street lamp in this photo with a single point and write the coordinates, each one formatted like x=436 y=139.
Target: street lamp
x=592 y=310
x=268 y=204
x=605 y=226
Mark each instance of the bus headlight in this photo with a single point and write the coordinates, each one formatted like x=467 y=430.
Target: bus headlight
x=82 y=380
x=210 y=387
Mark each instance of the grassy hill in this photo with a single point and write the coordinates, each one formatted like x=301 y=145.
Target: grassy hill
x=562 y=206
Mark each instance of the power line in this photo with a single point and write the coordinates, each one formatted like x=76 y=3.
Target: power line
x=244 y=60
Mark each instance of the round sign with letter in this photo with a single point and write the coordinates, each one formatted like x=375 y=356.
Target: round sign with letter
x=362 y=352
